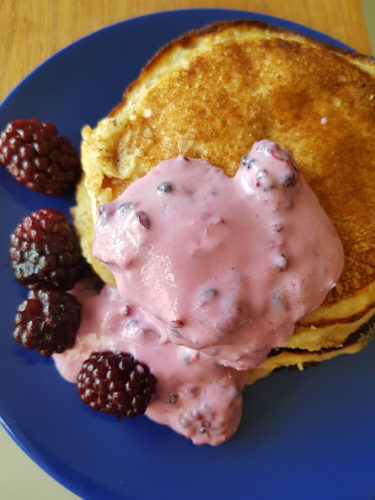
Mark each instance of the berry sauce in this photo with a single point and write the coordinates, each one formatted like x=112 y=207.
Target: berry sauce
x=212 y=272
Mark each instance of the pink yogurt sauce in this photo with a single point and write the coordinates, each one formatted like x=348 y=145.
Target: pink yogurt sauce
x=212 y=272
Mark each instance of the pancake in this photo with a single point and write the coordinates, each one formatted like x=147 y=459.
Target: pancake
x=215 y=91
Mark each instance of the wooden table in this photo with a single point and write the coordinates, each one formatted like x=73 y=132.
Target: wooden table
x=32 y=30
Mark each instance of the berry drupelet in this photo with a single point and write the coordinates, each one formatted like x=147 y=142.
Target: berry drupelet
x=47 y=321
x=45 y=252
x=34 y=154
x=116 y=383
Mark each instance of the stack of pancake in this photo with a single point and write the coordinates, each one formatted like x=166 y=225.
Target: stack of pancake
x=213 y=92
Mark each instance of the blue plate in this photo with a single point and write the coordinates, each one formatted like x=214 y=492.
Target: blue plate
x=302 y=436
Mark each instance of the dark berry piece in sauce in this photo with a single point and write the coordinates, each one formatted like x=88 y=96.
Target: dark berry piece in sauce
x=116 y=383
x=203 y=418
x=247 y=162
x=34 y=154
x=47 y=321
x=277 y=227
x=288 y=180
x=207 y=296
x=45 y=252
x=173 y=398
x=293 y=163
x=264 y=181
x=143 y=219
x=124 y=207
x=176 y=333
x=176 y=323
x=126 y=310
x=164 y=187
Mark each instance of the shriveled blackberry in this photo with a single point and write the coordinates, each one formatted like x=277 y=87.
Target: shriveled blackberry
x=34 y=154
x=116 y=383
x=45 y=251
x=47 y=321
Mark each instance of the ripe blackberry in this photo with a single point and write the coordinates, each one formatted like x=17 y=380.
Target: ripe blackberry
x=115 y=383
x=45 y=252
x=37 y=158
x=47 y=321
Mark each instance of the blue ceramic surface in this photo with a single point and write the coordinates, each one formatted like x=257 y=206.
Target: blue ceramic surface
x=309 y=435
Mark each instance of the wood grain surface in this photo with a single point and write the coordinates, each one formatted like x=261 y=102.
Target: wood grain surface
x=33 y=30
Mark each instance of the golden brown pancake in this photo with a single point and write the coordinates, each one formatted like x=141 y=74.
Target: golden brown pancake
x=211 y=94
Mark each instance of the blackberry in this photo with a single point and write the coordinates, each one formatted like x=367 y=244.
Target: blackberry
x=116 y=383
x=45 y=251
x=34 y=154
x=143 y=219
x=207 y=296
x=47 y=321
